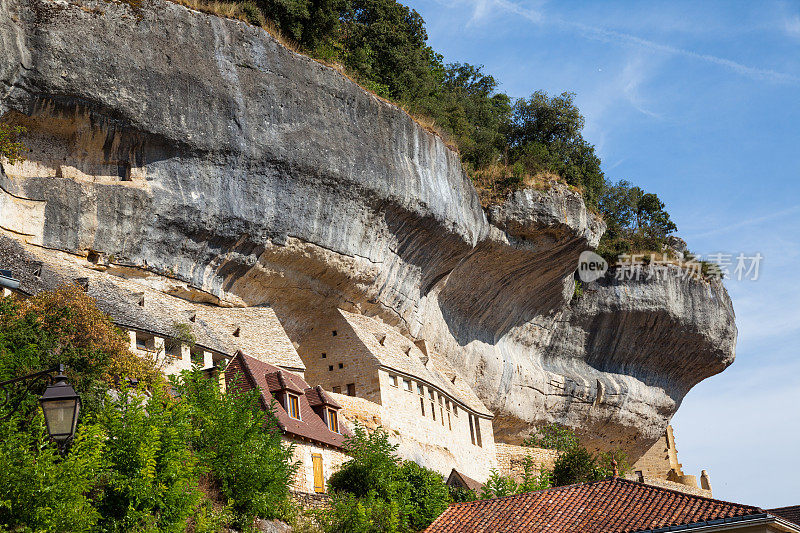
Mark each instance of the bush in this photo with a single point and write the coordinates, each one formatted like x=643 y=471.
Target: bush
x=11 y=147
x=240 y=448
x=149 y=479
x=138 y=456
x=374 y=491
x=552 y=437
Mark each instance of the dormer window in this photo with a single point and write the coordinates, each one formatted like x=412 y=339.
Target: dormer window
x=333 y=421
x=293 y=406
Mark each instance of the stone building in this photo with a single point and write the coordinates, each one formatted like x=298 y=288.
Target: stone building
x=659 y=466
x=433 y=415
x=167 y=326
x=307 y=416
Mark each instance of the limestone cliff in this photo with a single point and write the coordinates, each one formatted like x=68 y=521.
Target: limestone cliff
x=200 y=149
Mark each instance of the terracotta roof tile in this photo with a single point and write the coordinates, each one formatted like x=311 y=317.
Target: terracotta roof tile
x=610 y=506
x=791 y=513
x=249 y=373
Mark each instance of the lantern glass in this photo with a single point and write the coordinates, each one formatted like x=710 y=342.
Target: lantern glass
x=61 y=417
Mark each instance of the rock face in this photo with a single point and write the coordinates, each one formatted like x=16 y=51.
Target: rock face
x=199 y=148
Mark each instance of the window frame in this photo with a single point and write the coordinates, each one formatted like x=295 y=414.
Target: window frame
x=293 y=403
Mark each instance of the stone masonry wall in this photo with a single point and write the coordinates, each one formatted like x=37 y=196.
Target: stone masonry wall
x=304 y=477
x=510 y=458
x=323 y=352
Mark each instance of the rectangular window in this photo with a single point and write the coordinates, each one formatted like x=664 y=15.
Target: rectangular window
x=394 y=380
x=441 y=411
x=449 y=422
x=293 y=406
x=441 y=400
x=420 y=389
x=433 y=410
x=431 y=395
x=455 y=410
x=141 y=342
x=333 y=421
x=477 y=430
x=173 y=349
x=351 y=389
x=422 y=405
x=407 y=385
x=319 y=478
x=471 y=430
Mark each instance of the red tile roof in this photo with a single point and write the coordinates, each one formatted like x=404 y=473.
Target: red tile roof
x=457 y=479
x=791 y=513
x=248 y=373
x=610 y=506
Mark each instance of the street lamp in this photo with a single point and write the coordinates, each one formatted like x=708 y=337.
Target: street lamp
x=60 y=403
x=61 y=406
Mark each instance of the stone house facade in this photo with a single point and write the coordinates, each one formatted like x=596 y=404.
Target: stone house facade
x=307 y=416
x=434 y=417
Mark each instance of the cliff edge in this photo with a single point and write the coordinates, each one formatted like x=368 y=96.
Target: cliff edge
x=200 y=149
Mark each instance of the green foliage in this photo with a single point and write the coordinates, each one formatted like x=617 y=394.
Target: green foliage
x=138 y=456
x=374 y=491
x=184 y=332
x=545 y=135
x=150 y=475
x=425 y=495
x=460 y=494
x=11 y=147
x=498 y=486
x=533 y=479
x=576 y=465
x=636 y=221
x=240 y=447
x=553 y=437
x=38 y=490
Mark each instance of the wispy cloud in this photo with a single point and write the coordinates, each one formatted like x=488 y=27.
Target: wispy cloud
x=484 y=8
x=791 y=25
x=752 y=221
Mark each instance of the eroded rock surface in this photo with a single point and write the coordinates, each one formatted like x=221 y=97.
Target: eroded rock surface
x=200 y=149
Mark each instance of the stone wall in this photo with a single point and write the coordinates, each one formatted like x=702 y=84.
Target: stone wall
x=304 y=477
x=428 y=442
x=660 y=464
x=331 y=345
x=510 y=459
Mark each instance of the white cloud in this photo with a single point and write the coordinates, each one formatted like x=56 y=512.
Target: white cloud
x=791 y=26
x=483 y=8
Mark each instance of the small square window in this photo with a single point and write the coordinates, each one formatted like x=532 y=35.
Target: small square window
x=334 y=333
x=394 y=380
x=407 y=385
x=324 y=355
x=341 y=365
x=330 y=368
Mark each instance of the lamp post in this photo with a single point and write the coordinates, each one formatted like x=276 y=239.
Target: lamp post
x=60 y=403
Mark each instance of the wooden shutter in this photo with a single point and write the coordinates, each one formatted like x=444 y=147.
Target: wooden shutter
x=319 y=479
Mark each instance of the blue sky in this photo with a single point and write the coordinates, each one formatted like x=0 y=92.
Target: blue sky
x=698 y=102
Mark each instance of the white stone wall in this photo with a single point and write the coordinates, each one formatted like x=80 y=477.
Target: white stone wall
x=423 y=439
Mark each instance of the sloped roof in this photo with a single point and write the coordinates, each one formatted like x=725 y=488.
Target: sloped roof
x=248 y=373
x=460 y=480
x=611 y=506
x=260 y=332
x=394 y=351
x=791 y=513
